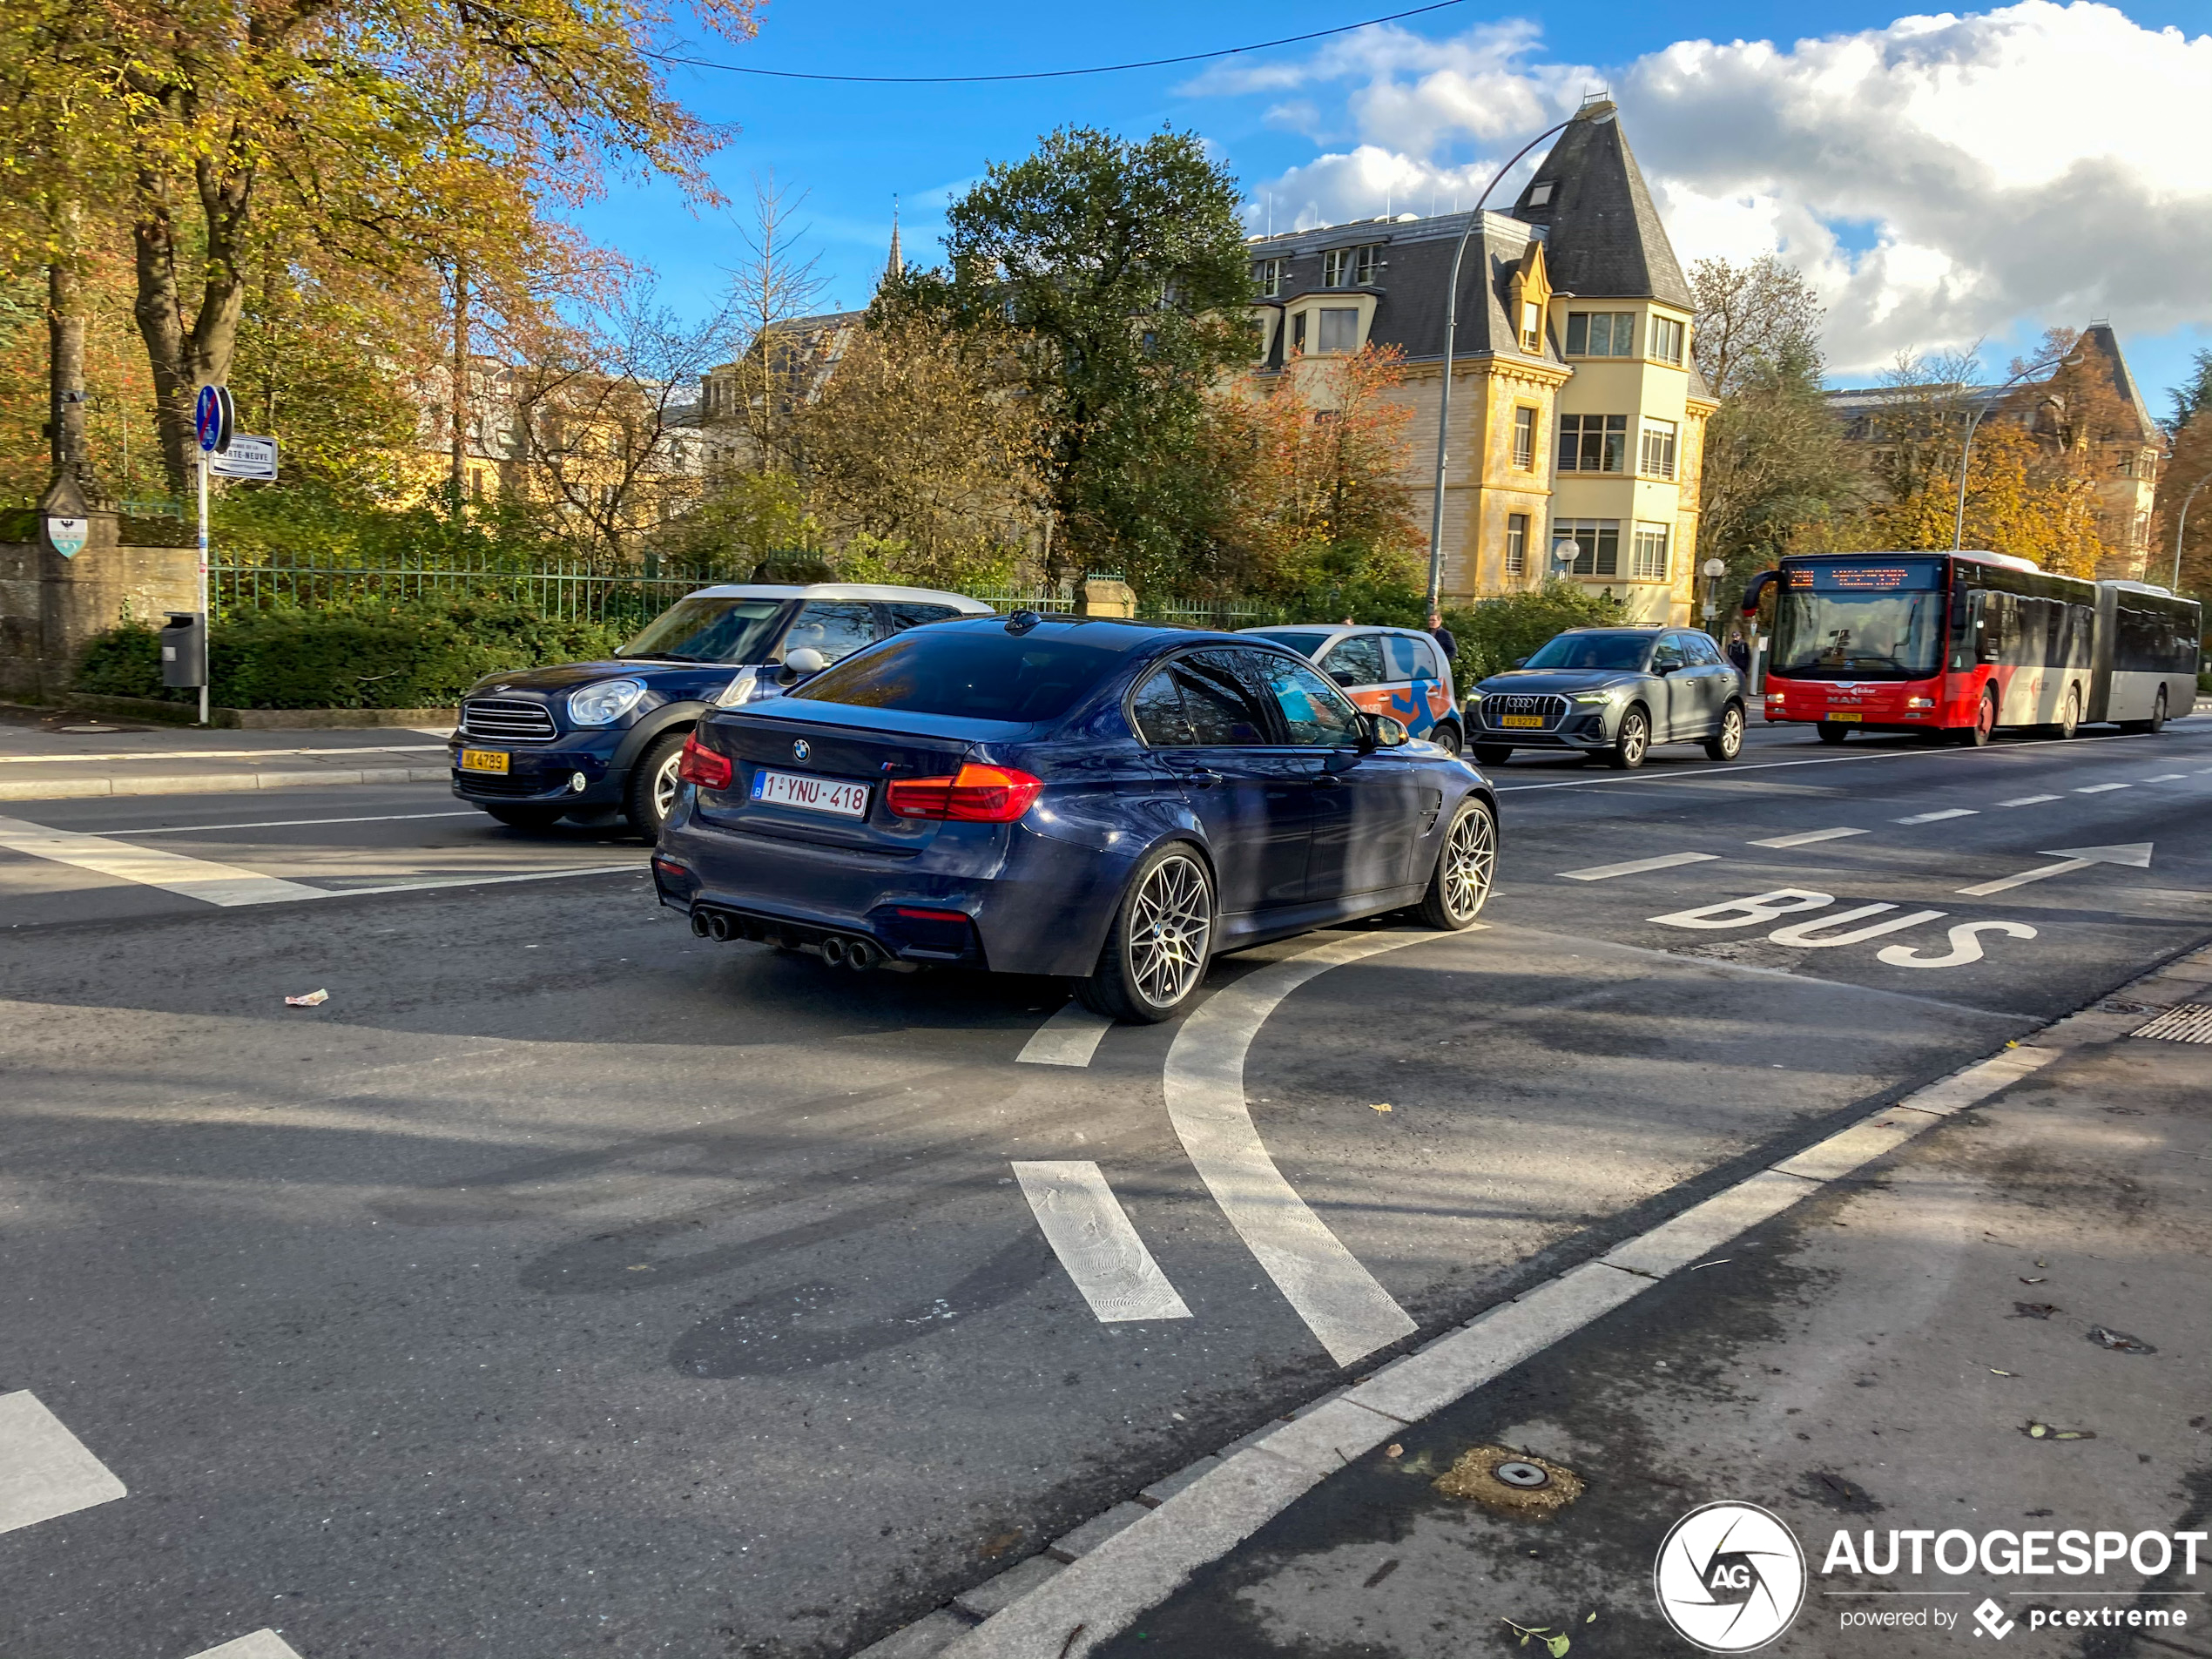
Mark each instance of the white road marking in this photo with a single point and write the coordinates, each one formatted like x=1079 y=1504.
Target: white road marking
x=1092 y=1234
x=1806 y=837
x=431 y=883
x=1931 y=818
x=217 y=884
x=2030 y=800
x=1081 y=1609
x=2167 y=777
x=1068 y=1038
x=1813 y=934
x=262 y=1644
x=1635 y=866
x=226 y=754
x=1965 y=946
x=2098 y=789
x=2134 y=855
x=1339 y=1300
x=45 y=1470
x=290 y=823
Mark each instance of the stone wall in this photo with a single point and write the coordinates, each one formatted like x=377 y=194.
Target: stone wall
x=51 y=606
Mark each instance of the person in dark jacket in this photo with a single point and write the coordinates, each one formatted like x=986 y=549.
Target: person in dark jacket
x=1738 y=652
x=1442 y=636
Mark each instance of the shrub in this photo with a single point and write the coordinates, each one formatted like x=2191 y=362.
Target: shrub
x=419 y=655
x=1494 y=633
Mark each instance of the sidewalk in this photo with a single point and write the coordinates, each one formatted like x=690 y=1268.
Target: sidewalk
x=46 y=755
x=1994 y=1332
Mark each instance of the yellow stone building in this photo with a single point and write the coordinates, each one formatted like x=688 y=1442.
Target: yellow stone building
x=1577 y=416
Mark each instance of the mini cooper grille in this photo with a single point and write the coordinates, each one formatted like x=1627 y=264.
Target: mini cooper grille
x=491 y=717
x=1550 y=709
x=474 y=783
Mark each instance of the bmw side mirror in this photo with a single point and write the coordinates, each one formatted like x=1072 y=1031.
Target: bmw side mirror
x=803 y=664
x=1391 y=733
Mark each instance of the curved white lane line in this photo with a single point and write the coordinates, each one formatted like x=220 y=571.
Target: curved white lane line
x=1070 y=1037
x=1339 y=1300
x=1098 y=1244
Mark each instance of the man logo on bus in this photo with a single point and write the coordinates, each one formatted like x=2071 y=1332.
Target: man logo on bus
x=1730 y=1577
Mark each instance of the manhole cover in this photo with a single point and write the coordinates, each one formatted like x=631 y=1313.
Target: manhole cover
x=1517 y=1473
x=2184 y=1022
x=1510 y=1483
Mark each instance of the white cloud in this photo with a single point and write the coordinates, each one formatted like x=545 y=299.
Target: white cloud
x=1941 y=178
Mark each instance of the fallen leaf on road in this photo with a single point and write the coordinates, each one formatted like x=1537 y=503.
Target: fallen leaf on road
x=312 y=999
x=2045 y=1432
x=1382 y=1106
x=2035 y=1310
x=1394 y=1450
x=2119 y=1341
x=2031 y=1281
x=1995 y=1373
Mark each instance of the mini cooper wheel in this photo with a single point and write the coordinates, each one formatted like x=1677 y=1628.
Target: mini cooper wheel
x=1631 y=743
x=1158 y=948
x=1726 y=743
x=1466 y=865
x=650 y=795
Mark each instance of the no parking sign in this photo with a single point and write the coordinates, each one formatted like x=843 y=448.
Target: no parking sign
x=212 y=416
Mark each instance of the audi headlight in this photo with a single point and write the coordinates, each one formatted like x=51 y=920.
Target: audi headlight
x=1610 y=694
x=604 y=703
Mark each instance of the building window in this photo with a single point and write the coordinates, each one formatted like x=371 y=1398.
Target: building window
x=1516 y=544
x=1339 y=329
x=1540 y=195
x=1666 y=340
x=1268 y=275
x=1593 y=442
x=1366 y=264
x=1658 y=458
x=1647 y=557
x=1524 y=438
x=1333 y=265
x=1601 y=333
x=1597 y=543
x=1297 y=332
x=1532 y=326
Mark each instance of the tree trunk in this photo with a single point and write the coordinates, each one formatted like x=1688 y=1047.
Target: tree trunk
x=459 y=401
x=184 y=359
x=66 y=359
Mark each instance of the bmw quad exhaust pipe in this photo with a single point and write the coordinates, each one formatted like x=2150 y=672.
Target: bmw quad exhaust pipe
x=717 y=927
x=861 y=955
x=701 y=926
x=834 y=951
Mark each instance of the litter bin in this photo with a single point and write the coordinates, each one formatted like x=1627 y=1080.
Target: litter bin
x=184 y=649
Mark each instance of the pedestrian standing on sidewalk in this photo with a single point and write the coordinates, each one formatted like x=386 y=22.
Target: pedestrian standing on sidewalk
x=1442 y=636
x=1738 y=652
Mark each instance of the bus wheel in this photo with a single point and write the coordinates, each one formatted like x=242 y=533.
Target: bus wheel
x=2157 y=716
x=2067 y=727
x=1985 y=725
x=1831 y=732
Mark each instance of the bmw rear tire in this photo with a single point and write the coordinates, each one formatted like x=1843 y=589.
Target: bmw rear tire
x=1162 y=937
x=1466 y=866
x=651 y=794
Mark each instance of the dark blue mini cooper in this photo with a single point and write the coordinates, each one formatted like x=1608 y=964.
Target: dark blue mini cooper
x=1114 y=802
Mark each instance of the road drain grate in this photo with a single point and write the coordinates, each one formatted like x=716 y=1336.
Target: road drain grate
x=2184 y=1022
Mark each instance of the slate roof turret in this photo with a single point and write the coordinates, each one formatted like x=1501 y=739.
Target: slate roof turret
x=1602 y=235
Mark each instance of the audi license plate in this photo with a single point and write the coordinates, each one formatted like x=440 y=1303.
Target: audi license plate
x=1839 y=714
x=811 y=794
x=483 y=761
x=1520 y=719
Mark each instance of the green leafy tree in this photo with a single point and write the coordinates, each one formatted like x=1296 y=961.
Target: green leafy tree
x=1124 y=264
x=2193 y=394
x=1494 y=634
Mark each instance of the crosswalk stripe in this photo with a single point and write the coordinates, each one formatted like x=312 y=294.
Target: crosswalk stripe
x=1806 y=837
x=1068 y=1038
x=2098 y=789
x=262 y=1644
x=1933 y=818
x=1097 y=1243
x=45 y=1471
x=2030 y=800
x=203 y=878
x=1635 y=866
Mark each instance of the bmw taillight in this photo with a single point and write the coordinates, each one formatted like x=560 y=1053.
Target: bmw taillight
x=703 y=766
x=974 y=795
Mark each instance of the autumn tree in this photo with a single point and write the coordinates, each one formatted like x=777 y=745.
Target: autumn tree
x=776 y=281
x=2188 y=470
x=922 y=455
x=1750 y=319
x=1123 y=263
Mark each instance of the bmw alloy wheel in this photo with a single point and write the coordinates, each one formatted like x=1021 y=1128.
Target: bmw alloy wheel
x=664 y=787
x=1470 y=862
x=1171 y=923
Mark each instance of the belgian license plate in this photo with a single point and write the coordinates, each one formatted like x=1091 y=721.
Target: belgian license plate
x=811 y=794
x=483 y=761
x=1520 y=719
x=1839 y=714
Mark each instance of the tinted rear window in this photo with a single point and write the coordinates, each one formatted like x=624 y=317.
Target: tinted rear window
x=1298 y=640
x=985 y=675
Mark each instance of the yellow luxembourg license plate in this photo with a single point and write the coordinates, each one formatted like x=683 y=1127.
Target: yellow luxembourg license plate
x=483 y=761
x=1837 y=715
x=1520 y=719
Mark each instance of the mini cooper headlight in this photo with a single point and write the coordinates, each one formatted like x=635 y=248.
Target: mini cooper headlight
x=604 y=703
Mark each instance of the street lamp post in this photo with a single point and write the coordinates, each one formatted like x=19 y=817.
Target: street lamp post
x=1450 y=332
x=2175 y=584
x=1966 y=449
x=1714 y=570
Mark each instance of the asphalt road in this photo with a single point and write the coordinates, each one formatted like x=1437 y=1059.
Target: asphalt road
x=565 y=1284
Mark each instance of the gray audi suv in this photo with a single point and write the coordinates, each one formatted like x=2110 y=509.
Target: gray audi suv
x=1614 y=692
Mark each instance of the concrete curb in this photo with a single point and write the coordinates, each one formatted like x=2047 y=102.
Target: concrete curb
x=214 y=782
x=1127 y=1561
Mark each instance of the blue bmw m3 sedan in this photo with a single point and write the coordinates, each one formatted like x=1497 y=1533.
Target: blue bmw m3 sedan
x=1115 y=802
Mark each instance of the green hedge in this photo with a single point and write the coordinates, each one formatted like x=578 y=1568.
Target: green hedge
x=416 y=656
x=1494 y=634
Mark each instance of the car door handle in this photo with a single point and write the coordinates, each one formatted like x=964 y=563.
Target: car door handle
x=1199 y=776
x=1328 y=780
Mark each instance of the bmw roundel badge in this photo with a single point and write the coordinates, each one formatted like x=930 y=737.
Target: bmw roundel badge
x=798 y=750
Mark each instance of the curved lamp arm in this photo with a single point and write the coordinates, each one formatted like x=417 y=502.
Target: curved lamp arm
x=1966 y=449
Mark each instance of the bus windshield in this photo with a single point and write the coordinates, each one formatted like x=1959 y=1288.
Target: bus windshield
x=1860 y=621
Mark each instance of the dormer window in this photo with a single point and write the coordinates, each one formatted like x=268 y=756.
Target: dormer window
x=1351 y=266
x=1540 y=195
x=1532 y=326
x=1366 y=266
x=1267 y=276
x=1333 y=266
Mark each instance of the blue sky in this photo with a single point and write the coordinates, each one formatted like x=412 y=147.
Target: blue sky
x=1910 y=164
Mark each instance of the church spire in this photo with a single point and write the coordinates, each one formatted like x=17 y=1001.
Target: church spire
x=895 y=265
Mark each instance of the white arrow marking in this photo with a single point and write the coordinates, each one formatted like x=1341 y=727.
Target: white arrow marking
x=2134 y=855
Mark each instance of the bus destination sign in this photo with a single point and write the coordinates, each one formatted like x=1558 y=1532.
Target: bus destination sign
x=1916 y=575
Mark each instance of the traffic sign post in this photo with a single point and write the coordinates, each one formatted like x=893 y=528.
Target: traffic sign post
x=212 y=418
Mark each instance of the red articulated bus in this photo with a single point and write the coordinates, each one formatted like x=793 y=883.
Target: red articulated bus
x=1971 y=644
